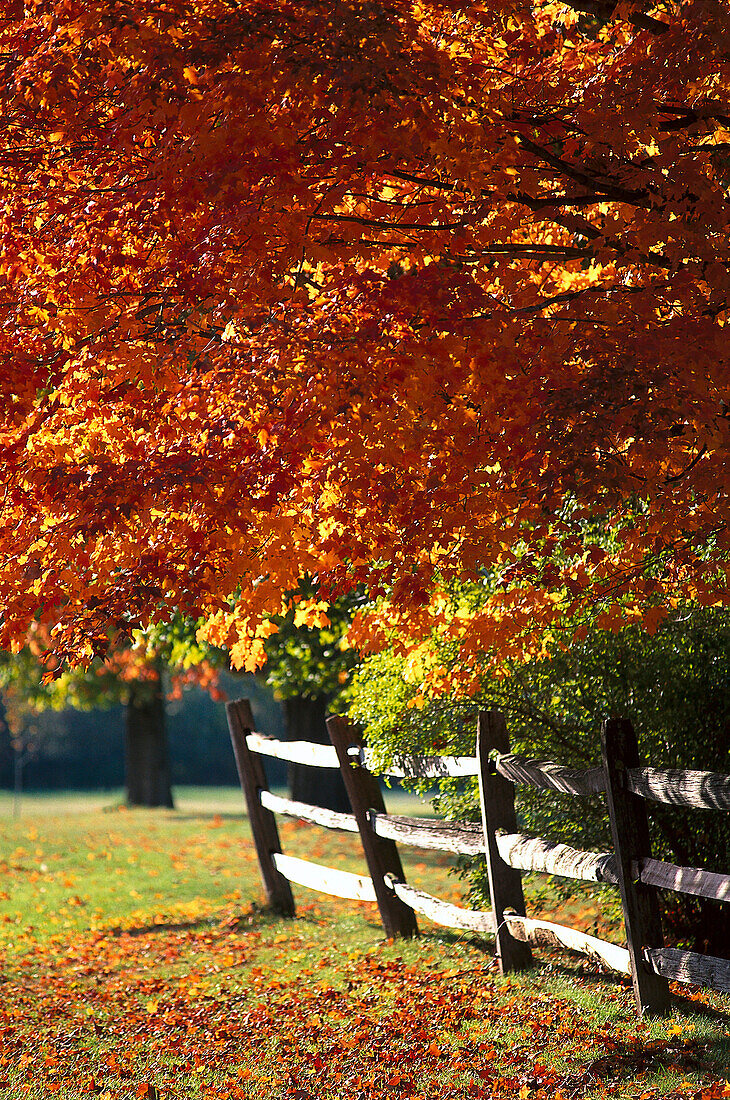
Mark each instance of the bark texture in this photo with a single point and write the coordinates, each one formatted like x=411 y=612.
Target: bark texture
x=147 y=766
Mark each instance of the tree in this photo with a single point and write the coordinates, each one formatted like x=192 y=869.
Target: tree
x=308 y=666
x=146 y=757
x=133 y=676
x=391 y=297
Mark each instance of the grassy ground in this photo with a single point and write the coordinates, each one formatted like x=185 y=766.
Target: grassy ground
x=137 y=961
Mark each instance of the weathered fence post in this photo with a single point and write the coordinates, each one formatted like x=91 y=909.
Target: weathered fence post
x=381 y=854
x=630 y=831
x=263 y=823
x=498 y=812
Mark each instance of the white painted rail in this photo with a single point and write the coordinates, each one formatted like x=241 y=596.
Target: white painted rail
x=328 y=880
x=297 y=752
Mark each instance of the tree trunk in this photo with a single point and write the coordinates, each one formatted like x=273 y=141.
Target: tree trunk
x=305 y=721
x=147 y=768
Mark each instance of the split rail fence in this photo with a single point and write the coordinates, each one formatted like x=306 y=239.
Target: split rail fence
x=625 y=782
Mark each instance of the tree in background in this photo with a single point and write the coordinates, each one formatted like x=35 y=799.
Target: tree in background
x=308 y=664
x=390 y=298
x=131 y=676
x=307 y=667
x=674 y=685
x=147 y=773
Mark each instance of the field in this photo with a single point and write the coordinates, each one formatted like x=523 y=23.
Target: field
x=137 y=961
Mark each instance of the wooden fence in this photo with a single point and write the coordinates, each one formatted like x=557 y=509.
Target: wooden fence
x=626 y=784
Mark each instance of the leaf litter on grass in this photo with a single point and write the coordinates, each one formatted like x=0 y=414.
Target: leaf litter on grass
x=203 y=994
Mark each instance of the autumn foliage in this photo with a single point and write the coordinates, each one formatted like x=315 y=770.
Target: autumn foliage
x=389 y=294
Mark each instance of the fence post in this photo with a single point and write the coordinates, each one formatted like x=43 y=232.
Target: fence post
x=263 y=823
x=630 y=831
x=381 y=853
x=498 y=812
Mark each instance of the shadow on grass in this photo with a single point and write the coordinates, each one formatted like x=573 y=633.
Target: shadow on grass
x=692 y=1056
x=209 y=815
x=588 y=973
x=254 y=917
x=580 y=968
x=689 y=1007
x=448 y=936
x=163 y=926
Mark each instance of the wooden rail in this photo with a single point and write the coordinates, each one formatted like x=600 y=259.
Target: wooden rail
x=625 y=783
x=416 y=766
x=315 y=815
x=541 y=933
x=690 y=967
x=328 y=880
x=550 y=777
x=529 y=853
x=461 y=838
x=296 y=752
x=683 y=880
x=442 y=912
x=678 y=787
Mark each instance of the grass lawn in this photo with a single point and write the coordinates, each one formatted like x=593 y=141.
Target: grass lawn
x=137 y=961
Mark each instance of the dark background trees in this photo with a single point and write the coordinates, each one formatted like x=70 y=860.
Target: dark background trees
x=84 y=749
x=150 y=716
x=308 y=665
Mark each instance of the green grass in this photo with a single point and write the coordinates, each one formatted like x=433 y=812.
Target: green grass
x=138 y=960
x=200 y=800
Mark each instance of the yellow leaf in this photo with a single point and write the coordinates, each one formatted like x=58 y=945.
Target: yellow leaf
x=256 y=657
x=266 y=629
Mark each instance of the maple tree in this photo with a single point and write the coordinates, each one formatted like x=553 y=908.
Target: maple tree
x=133 y=676
x=392 y=294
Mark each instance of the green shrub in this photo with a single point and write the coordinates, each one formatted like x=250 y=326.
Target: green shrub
x=674 y=685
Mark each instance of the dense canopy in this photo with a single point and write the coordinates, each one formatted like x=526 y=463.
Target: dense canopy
x=375 y=291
